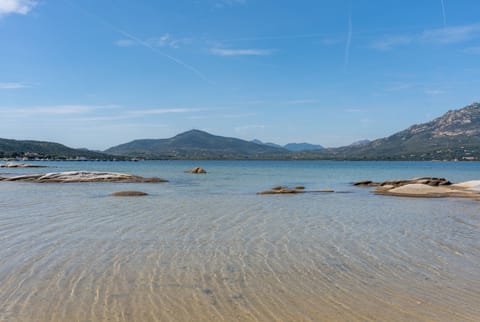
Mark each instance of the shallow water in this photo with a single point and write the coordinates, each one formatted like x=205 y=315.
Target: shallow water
x=207 y=248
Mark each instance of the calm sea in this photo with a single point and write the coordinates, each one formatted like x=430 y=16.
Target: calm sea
x=207 y=248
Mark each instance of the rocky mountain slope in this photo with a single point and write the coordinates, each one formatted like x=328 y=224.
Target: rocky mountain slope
x=454 y=135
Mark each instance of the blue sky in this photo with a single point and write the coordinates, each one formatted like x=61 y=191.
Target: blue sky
x=96 y=73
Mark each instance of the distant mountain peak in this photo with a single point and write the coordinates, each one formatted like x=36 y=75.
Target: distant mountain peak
x=197 y=144
x=193 y=132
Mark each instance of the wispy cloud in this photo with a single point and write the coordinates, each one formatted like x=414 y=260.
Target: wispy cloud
x=452 y=35
x=399 y=87
x=229 y=3
x=241 y=52
x=326 y=38
x=354 y=110
x=300 y=101
x=141 y=42
x=438 y=36
x=51 y=110
x=160 y=111
x=434 y=91
x=247 y=129
x=391 y=42
x=238 y=116
x=165 y=40
x=472 y=50
x=295 y=101
x=16 y=6
x=13 y=85
x=91 y=112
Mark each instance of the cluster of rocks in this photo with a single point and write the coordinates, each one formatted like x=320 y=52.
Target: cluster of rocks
x=285 y=190
x=282 y=190
x=82 y=176
x=425 y=187
x=434 y=182
x=20 y=165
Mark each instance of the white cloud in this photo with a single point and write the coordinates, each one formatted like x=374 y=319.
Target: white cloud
x=16 y=6
x=13 y=85
x=241 y=52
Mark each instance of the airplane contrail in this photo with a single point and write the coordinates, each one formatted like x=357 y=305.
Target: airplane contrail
x=349 y=40
x=443 y=13
x=141 y=42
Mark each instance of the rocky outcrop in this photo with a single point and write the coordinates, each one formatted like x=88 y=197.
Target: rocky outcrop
x=366 y=183
x=81 y=176
x=430 y=181
x=277 y=190
x=129 y=194
x=20 y=165
x=425 y=188
x=197 y=170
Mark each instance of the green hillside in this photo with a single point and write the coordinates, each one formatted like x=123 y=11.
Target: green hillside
x=44 y=150
x=197 y=144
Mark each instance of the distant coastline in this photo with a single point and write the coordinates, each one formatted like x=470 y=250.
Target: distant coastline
x=455 y=136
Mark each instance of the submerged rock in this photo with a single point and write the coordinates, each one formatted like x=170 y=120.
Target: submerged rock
x=129 y=194
x=20 y=165
x=280 y=190
x=285 y=190
x=196 y=170
x=82 y=176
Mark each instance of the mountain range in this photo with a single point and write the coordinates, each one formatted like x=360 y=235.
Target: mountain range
x=196 y=144
x=452 y=136
x=292 y=146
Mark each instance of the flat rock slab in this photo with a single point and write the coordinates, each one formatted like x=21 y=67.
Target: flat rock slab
x=129 y=194
x=82 y=176
x=21 y=165
x=426 y=188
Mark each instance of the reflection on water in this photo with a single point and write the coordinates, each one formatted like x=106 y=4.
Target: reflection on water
x=207 y=248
